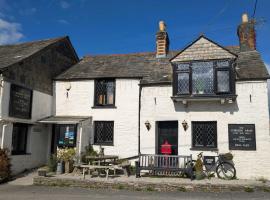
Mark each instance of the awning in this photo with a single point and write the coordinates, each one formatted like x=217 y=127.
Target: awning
x=64 y=119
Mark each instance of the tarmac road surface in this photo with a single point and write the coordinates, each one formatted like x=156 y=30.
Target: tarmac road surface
x=20 y=192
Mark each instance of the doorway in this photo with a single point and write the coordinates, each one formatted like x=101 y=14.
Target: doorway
x=167 y=133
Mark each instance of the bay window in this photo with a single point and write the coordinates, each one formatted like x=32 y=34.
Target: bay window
x=203 y=78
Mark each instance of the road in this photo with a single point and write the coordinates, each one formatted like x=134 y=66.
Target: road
x=10 y=192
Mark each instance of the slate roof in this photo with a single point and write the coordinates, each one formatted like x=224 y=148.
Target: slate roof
x=11 y=54
x=151 y=69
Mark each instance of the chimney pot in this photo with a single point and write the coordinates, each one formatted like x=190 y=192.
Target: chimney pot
x=162 y=41
x=162 y=26
x=245 y=18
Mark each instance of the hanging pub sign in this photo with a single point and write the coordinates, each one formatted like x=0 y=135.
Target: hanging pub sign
x=242 y=137
x=20 y=103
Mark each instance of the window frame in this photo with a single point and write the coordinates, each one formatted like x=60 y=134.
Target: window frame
x=111 y=143
x=176 y=71
x=96 y=104
x=204 y=147
x=16 y=151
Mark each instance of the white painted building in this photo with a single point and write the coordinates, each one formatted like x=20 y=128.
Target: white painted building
x=26 y=96
x=205 y=97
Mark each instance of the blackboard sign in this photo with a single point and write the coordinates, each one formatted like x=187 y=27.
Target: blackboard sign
x=209 y=160
x=242 y=137
x=20 y=103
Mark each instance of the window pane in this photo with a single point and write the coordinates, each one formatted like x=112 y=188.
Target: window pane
x=202 y=78
x=104 y=92
x=19 y=136
x=110 y=92
x=104 y=132
x=204 y=134
x=223 y=81
x=183 y=83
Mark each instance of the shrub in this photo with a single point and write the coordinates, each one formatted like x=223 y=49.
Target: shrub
x=52 y=163
x=89 y=151
x=66 y=154
x=5 y=171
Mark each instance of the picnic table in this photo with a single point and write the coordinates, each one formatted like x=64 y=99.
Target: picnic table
x=104 y=159
x=104 y=162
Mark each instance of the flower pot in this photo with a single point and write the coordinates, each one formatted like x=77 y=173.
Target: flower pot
x=59 y=169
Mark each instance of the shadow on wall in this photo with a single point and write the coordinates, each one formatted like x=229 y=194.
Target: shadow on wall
x=202 y=106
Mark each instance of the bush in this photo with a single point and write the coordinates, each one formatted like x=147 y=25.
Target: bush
x=5 y=171
x=52 y=163
x=89 y=151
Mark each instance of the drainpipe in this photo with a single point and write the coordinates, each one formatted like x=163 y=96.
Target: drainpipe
x=139 y=122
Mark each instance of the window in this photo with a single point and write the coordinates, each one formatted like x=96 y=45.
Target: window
x=103 y=132
x=66 y=135
x=19 y=138
x=223 y=77
x=204 y=135
x=104 y=92
x=207 y=77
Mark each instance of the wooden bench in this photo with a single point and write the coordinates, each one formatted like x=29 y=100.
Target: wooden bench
x=163 y=164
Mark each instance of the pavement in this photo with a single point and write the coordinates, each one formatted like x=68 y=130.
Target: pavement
x=28 y=192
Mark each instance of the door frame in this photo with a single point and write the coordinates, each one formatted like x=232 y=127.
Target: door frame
x=157 y=134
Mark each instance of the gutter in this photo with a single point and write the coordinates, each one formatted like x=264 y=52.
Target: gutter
x=139 y=122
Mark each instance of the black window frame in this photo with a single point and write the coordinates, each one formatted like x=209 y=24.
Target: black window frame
x=204 y=147
x=20 y=138
x=96 y=95
x=216 y=68
x=104 y=143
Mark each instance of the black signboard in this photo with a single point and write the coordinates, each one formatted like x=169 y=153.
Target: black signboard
x=20 y=103
x=209 y=160
x=242 y=137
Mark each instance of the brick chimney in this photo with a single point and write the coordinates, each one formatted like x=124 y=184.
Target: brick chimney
x=162 y=41
x=246 y=33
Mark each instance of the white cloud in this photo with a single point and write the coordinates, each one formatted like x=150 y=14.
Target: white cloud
x=64 y=4
x=9 y=32
x=62 y=21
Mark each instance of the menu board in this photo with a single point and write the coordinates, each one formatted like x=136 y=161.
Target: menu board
x=242 y=137
x=20 y=103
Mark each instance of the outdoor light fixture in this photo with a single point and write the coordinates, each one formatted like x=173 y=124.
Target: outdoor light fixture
x=67 y=87
x=147 y=125
x=185 y=125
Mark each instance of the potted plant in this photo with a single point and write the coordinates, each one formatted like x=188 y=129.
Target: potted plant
x=68 y=158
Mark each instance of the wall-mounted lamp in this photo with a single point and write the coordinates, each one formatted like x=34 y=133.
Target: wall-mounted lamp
x=147 y=125
x=67 y=87
x=185 y=125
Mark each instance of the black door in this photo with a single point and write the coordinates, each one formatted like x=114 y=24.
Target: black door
x=167 y=132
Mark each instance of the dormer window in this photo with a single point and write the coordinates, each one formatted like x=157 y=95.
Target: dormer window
x=203 y=78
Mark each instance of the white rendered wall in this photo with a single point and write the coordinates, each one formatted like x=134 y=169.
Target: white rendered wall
x=125 y=116
x=38 y=135
x=249 y=164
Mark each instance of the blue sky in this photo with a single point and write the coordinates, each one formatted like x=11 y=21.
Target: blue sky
x=124 y=26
